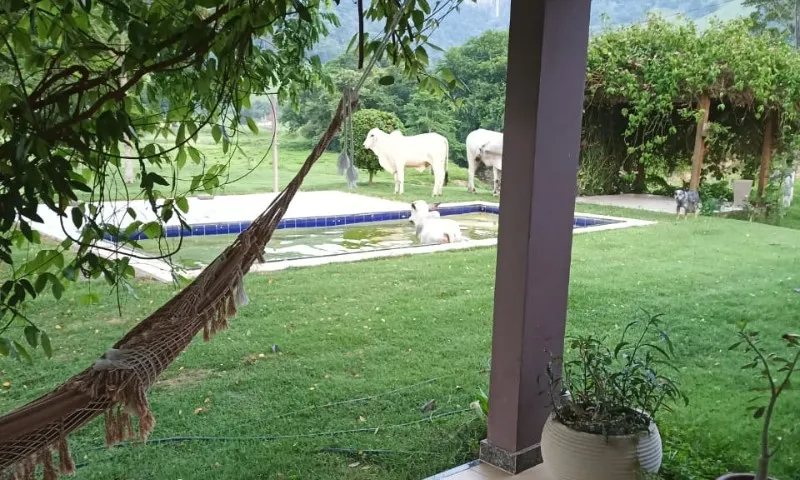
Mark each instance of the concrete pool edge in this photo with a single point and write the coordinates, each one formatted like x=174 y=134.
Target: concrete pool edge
x=162 y=271
x=279 y=265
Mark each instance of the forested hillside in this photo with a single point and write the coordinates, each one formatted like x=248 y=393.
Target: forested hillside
x=475 y=18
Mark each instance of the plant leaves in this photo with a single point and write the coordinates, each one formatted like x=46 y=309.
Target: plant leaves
x=45 y=341
x=386 y=80
x=252 y=125
x=32 y=336
x=23 y=354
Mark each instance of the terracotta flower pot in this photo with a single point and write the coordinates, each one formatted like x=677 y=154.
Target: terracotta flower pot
x=572 y=455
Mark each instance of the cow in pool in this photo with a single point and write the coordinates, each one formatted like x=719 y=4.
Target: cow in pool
x=431 y=228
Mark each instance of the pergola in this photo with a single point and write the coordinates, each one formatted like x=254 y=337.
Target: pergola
x=548 y=41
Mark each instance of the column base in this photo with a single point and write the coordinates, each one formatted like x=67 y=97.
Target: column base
x=511 y=462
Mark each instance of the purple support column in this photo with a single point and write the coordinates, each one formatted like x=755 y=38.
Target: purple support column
x=548 y=40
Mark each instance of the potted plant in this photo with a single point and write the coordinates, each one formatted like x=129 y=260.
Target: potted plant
x=771 y=366
x=604 y=405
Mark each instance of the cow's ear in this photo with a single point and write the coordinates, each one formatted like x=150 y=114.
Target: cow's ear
x=413 y=207
x=435 y=206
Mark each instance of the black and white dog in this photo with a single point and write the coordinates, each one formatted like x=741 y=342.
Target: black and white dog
x=689 y=200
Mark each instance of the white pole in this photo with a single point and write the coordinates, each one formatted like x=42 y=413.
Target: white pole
x=275 y=185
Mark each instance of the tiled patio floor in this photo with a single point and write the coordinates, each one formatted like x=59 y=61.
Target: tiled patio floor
x=482 y=471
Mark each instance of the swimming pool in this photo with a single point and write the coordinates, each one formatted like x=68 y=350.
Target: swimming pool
x=330 y=236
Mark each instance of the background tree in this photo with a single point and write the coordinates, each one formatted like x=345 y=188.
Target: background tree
x=365 y=120
x=73 y=92
x=480 y=65
x=780 y=16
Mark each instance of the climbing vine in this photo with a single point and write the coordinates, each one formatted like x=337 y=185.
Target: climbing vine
x=654 y=74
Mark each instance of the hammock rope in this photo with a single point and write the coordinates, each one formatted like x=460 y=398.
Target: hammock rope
x=116 y=384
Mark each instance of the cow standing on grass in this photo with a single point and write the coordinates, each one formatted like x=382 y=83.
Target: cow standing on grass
x=485 y=146
x=396 y=152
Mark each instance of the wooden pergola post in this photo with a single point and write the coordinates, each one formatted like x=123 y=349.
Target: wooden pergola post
x=548 y=41
x=766 y=152
x=700 y=143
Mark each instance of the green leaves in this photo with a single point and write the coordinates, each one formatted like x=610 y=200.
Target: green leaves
x=34 y=338
x=386 y=80
x=216 y=133
x=252 y=125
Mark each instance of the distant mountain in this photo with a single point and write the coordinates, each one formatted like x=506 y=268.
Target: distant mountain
x=474 y=18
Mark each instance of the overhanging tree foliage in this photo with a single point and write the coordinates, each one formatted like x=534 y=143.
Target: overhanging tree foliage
x=82 y=78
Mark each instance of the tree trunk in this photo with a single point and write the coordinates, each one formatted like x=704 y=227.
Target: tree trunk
x=371 y=176
x=766 y=154
x=699 y=143
x=640 y=183
x=128 y=175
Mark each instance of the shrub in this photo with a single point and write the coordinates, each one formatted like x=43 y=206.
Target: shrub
x=615 y=391
x=364 y=121
x=720 y=190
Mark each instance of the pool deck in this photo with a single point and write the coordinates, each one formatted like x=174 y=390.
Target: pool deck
x=230 y=208
x=640 y=201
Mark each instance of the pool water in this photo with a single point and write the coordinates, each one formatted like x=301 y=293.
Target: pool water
x=288 y=244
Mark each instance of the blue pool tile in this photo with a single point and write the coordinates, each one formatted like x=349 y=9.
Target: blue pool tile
x=330 y=221
x=235 y=227
x=223 y=228
x=290 y=223
x=211 y=229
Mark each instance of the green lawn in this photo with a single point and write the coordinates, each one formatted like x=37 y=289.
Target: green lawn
x=250 y=171
x=352 y=333
x=363 y=346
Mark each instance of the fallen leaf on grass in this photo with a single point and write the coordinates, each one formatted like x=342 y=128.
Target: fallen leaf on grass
x=361 y=419
x=354 y=464
x=199 y=410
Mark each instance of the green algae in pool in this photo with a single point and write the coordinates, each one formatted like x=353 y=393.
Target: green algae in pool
x=287 y=244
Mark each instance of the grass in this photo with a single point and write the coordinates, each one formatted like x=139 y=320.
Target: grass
x=250 y=171
x=352 y=331
x=364 y=346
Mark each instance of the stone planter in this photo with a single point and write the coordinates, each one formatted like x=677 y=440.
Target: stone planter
x=572 y=455
x=741 y=192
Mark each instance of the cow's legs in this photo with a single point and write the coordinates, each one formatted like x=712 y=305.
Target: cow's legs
x=496 y=177
x=401 y=171
x=396 y=185
x=438 y=180
x=471 y=164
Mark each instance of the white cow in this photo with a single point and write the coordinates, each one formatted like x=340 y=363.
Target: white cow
x=485 y=146
x=396 y=152
x=431 y=228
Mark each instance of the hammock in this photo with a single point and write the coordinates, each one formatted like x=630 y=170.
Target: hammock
x=116 y=384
